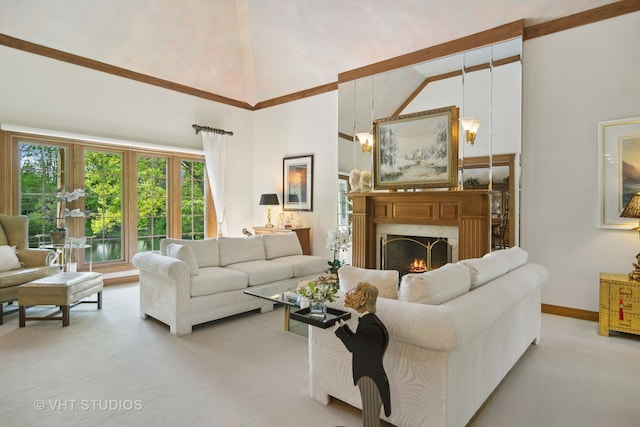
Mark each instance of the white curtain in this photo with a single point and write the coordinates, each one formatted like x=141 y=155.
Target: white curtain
x=213 y=144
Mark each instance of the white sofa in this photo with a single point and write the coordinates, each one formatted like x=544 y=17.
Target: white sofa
x=195 y=281
x=443 y=360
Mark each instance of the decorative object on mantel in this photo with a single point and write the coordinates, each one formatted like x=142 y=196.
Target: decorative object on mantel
x=319 y=291
x=269 y=199
x=337 y=240
x=418 y=150
x=632 y=210
x=365 y=181
x=354 y=180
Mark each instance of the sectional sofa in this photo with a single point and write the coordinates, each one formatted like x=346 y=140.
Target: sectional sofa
x=196 y=281
x=454 y=333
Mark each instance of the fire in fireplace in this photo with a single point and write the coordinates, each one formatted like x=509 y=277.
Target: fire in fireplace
x=413 y=254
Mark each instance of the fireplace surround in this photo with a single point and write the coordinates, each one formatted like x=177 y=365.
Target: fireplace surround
x=463 y=217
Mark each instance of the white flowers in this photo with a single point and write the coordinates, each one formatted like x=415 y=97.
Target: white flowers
x=338 y=240
x=66 y=197
x=70 y=196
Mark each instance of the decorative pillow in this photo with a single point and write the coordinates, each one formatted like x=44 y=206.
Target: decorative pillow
x=483 y=270
x=385 y=280
x=279 y=245
x=184 y=253
x=206 y=250
x=435 y=286
x=8 y=259
x=240 y=249
x=512 y=257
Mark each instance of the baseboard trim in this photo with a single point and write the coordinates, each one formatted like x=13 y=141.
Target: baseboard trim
x=570 y=312
x=122 y=280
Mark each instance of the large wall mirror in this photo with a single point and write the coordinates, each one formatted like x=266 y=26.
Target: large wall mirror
x=485 y=83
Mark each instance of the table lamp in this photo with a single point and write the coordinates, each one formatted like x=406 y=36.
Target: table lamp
x=269 y=200
x=632 y=210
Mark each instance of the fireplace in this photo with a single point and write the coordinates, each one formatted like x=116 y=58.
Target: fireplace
x=462 y=218
x=413 y=254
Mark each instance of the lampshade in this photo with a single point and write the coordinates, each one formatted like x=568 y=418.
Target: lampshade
x=632 y=209
x=470 y=126
x=269 y=199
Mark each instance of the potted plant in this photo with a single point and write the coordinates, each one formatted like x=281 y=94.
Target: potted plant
x=337 y=240
x=319 y=292
x=59 y=234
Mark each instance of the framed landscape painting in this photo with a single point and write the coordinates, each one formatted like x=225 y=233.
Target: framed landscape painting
x=618 y=170
x=418 y=150
x=297 y=183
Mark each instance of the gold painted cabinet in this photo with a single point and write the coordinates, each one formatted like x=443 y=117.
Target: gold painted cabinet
x=619 y=293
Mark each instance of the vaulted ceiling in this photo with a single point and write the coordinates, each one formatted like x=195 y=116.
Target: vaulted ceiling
x=256 y=50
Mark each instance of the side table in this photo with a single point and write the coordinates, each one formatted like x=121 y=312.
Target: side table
x=303 y=235
x=619 y=304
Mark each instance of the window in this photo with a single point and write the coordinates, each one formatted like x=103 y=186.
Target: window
x=103 y=202
x=42 y=173
x=134 y=197
x=152 y=202
x=192 y=199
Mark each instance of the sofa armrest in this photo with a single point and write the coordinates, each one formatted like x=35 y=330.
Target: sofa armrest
x=32 y=257
x=162 y=265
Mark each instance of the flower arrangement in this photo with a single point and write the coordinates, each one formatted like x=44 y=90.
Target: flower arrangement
x=321 y=290
x=337 y=240
x=64 y=212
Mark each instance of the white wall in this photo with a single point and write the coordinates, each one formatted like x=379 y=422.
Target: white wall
x=572 y=80
x=44 y=93
x=307 y=126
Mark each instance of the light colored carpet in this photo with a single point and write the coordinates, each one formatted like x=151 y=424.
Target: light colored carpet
x=111 y=368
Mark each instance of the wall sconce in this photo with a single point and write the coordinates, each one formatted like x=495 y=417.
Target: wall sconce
x=470 y=126
x=632 y=210
x=366 y=141
x=269 y=200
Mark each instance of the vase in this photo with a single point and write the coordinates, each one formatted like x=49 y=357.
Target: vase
x=318 y=309
x=58 y=236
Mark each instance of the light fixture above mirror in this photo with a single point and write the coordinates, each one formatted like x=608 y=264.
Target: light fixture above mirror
x=470 y=126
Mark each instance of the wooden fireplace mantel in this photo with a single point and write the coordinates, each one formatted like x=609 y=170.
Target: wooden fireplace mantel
x=469 y=210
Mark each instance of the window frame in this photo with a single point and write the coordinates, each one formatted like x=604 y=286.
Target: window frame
x=10 y=180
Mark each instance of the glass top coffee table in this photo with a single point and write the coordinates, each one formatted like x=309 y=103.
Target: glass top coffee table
x=282 y=294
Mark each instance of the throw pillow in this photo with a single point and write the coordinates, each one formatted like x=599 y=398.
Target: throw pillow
x=206 y=250
x=184 y=253
x=483 y=270
x=279 y=245
x=513 y=257
x=385 y=280
x=8 y=259
x=435 y=286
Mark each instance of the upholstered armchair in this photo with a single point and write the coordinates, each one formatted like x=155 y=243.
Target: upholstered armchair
x=31 y=263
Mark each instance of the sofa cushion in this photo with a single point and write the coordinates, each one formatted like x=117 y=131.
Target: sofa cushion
x=235 y=250
x=261 y=272
x=213 y=280
x=304 y=265
x=281 y=245
x=484 y=269
x=436 y=286
x=8 y=258
x=205 y=251
x=184 y=253
x=385 y=280
x=3 y=236
x=512 y=257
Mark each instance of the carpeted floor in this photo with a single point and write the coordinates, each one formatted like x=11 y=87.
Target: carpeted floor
x=111 y=368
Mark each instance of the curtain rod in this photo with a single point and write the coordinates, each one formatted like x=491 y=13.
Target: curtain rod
x=198 y=128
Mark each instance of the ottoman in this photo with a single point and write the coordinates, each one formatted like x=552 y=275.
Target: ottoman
x=65 y=290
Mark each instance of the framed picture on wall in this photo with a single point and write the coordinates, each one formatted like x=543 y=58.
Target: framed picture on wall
x=418 y=150
x=618 y=170
x=297 y=183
